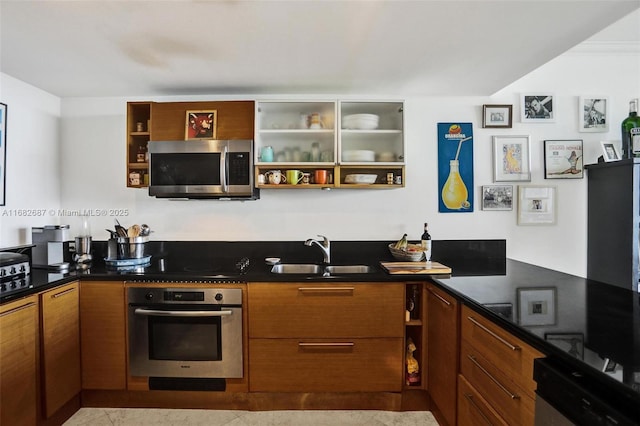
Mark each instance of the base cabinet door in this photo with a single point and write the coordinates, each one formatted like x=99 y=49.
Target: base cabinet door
x=323 y=365
x=442 y=313
x=60 y=346
x=102 y=331
x=473 y=410
x=18 y=360
x=329 y=337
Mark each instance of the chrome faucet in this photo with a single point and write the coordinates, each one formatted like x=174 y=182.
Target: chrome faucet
x=325 y=246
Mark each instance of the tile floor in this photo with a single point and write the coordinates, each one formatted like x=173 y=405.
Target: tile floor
x=162 y=417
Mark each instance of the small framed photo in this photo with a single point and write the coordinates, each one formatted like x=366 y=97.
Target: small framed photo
x=563 y=159
x=610 y=151
x=536 y=306
x=572 y=343
x=537 y=108
x=497 y=116
x=497 y=197
x=201 y=125
x=593 y=114
x=511 y=159
x=536 y=205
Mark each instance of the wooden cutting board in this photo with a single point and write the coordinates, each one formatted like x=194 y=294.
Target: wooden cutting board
x=415 y=268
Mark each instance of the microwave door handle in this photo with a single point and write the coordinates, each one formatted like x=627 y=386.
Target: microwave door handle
x=223 y=170
x=162 y=313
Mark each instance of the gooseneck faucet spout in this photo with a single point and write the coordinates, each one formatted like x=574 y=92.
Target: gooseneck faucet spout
x=325 y=246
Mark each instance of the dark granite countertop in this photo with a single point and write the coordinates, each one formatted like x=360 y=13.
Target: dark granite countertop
x=588 y=326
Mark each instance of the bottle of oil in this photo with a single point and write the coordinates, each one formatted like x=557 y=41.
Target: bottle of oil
x=631 y=132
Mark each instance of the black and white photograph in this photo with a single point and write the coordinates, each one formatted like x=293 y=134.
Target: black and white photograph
x=610 y=151
x=536 y=306
x=497 y=197
x=593 y=114
x=537 y=107
x=536 y=205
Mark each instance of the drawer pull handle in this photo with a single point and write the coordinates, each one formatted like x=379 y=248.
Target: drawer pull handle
x=326 y=344
x=19 y=308
x=474 y=405
x=494 y=335
x=62 y=293
x=442 y=299
x=326 y=289
x=493 y=379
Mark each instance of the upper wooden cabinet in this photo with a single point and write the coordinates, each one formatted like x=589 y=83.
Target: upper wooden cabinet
x=334 y=136
x=158 y=121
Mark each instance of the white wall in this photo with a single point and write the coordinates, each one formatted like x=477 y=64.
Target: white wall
x=33 y=160
x=93 y=174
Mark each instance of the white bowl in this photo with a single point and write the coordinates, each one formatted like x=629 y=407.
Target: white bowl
x=359 y=155
x=360 y=121
x=360 y=178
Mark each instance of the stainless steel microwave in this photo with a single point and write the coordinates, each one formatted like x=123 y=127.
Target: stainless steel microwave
x=213 y=169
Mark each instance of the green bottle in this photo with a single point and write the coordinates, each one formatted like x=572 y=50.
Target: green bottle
x=631 y=132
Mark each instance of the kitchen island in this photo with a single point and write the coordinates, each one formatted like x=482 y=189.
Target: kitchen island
x=571 y=319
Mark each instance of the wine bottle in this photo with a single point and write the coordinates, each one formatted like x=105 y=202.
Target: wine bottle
x=631 y=132
x=426 y=243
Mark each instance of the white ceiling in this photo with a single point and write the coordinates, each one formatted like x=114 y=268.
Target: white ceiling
x=182 y=47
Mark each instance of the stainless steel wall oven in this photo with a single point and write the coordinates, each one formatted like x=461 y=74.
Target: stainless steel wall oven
x=185 y=332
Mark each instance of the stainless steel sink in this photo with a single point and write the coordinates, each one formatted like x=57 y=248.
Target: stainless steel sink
x=312 y=269
x=348 y=269
x=296 y=268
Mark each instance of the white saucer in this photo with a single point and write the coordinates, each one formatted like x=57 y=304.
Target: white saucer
x=272 y=260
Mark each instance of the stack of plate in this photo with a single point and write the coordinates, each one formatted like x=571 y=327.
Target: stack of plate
x=360 y=121
x=359 y=155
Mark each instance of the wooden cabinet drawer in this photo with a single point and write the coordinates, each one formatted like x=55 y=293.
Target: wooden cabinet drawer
x=513 y=403
x=322 y=365
x=473 y=410
x=323 y=310
x=501 y=348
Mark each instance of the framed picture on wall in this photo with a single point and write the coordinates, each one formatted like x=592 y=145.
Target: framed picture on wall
x=3 y=153
x=563 y=159
x=497 y=116
x=201 y=125
x=593 y=114
x=537 y=108
x=497 y=197
x=536 y=205
x=511 y=159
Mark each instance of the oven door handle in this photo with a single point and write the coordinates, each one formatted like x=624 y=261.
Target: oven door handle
x=161 y=313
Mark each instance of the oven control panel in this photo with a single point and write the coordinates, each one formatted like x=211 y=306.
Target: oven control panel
x=208 y=296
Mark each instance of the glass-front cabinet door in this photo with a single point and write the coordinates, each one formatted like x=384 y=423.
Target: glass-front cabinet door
x=356 y=144
x=295 y=136
x=371 y=144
